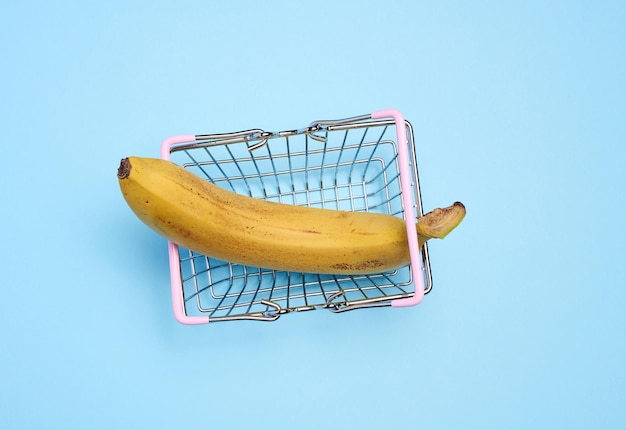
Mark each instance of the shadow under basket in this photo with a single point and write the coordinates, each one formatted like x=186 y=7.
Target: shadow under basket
x=365 y=163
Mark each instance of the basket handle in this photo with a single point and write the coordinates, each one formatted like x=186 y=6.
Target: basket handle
x=407 y=200
x=178 y=301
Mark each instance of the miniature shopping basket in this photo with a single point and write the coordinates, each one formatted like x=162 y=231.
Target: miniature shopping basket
x=365 y=163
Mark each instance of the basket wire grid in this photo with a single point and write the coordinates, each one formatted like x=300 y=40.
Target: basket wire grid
x=350 y=164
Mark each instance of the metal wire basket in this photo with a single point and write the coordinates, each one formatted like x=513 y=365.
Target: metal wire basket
x=365 y=163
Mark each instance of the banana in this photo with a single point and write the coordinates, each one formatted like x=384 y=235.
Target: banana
x=203 y=217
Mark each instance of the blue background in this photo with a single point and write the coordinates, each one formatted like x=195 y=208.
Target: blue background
x=518 y=109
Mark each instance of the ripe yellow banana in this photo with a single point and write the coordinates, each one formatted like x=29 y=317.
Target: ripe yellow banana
x=208 y=219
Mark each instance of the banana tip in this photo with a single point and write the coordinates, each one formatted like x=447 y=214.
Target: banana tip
x=124 y=170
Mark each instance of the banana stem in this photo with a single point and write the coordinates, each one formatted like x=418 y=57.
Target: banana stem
x=439 y=222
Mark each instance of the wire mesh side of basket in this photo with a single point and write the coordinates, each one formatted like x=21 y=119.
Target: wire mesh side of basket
x=347 y=165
